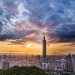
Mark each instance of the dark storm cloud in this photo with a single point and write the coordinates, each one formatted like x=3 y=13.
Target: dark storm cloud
x=20 y=18
x=67 y=33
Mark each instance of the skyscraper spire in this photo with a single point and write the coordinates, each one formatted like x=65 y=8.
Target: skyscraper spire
x=44 y=37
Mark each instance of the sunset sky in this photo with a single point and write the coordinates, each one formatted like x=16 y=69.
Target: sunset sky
x=23 y=24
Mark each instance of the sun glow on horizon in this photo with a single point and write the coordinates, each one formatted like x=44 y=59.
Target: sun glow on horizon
x=34 y=48
x=28 y=45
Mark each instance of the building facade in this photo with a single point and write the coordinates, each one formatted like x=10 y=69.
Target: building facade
x=68 y=63
x=5 y=65
x=73 y=60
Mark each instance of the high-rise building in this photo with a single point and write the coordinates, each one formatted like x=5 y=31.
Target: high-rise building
x=73 y=60
x=45 y=63
x=5 y=65
x=69 y=64
x=44 y=48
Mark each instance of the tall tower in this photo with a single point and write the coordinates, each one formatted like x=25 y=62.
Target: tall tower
x=44 y=48
x=45 y=64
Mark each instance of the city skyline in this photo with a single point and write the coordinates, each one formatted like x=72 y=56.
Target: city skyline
x=23 y=24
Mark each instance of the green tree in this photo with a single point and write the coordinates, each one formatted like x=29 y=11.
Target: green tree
x=23 y=71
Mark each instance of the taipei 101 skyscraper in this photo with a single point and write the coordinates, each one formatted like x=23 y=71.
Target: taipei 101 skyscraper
x=44 y=49
x=45 y=63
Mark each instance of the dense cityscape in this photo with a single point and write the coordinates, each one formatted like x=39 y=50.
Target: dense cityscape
x=63 y=63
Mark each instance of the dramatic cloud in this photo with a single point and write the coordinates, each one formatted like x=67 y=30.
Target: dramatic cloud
x=24 y=19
